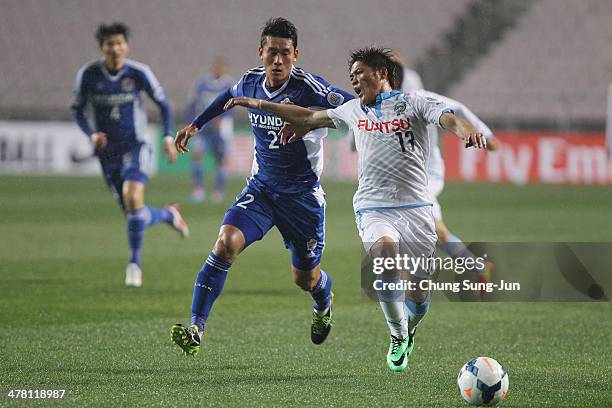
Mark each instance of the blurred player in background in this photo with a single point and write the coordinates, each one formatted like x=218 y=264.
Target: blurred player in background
x=283 y=191
x=109 y=110
x=215 y=136
x=392 y=205
x=409 y=81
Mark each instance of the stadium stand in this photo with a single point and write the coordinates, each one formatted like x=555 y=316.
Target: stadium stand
x=43 y=43
x=553 y=68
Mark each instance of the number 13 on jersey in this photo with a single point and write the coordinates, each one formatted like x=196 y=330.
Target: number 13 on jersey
x=408 y=135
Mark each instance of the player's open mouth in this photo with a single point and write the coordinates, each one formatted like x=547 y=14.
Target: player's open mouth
x=357 y=91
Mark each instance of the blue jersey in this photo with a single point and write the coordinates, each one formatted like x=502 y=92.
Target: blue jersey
x=111 y=103
x=294 y=167
x=205 y=91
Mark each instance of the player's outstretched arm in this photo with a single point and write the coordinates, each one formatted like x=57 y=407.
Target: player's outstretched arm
x=465 y=113
x=301 y=119
x=464 y=130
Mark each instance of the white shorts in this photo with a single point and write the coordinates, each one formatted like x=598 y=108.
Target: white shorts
x=435 y=185
x=412 y=228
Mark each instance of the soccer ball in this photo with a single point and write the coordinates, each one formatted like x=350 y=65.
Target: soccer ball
x=483 y=381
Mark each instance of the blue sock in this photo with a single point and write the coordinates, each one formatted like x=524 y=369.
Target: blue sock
x=208 y=287
x=197 y=173
x=156 y=215
x=135 y=233
x=416 y=312
x=220 y=179
x=388 y=295
x=321 y=294
x=456 y=248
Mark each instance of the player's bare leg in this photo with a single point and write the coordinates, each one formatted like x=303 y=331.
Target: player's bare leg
x=230 y=243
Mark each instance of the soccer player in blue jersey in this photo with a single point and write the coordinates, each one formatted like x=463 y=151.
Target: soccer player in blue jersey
x=215 y=136
x=109 y=110
x=283 y=191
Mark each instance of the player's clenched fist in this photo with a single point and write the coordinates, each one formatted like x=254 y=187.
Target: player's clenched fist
x=99 y=140
x=182 y=138
x=168 y=149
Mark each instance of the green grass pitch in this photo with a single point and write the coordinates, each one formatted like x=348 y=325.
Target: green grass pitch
x=68 y=322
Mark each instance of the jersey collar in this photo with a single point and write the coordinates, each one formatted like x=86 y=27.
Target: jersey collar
x=108 y=75
x=377 y=104
x=277 y=92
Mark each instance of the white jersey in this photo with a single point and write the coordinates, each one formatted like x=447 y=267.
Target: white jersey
x=393 y=148
x=412 y=81
x=435 y=168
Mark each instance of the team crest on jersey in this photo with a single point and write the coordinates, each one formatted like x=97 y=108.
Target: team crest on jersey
x=335 y=99
x=127 y=85
x=286 y=99
x=399 y=107
x=127 y=158
x=311 y=245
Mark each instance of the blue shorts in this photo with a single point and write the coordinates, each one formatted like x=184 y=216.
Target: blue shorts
x=134 y=165
x=300 y=218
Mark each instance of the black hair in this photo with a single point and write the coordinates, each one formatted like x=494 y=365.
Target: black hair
x=104 y=31
x=377 y=59
x=279 y=27
x=399 y=75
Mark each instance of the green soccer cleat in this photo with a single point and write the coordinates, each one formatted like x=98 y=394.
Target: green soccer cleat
x=187 y=338
x=321 y=325
x=410 y=347
x=397 y=357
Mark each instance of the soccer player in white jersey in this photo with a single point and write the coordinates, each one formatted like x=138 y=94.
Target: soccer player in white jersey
x=409 y=81
x=392 y=205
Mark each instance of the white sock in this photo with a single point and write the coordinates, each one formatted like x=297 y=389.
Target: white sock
x=396 y=320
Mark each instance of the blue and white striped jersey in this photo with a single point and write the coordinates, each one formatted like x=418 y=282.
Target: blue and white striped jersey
x=111 y=103
x=294 y=167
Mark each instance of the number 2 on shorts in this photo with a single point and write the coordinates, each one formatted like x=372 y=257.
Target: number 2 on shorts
x=249 y=199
